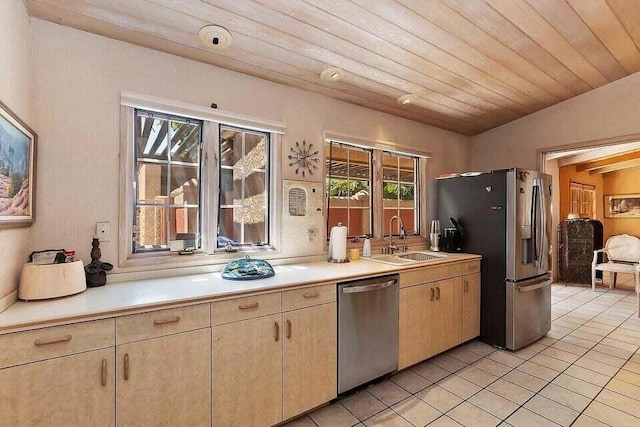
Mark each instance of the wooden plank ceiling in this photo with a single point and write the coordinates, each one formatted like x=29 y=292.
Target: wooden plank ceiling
x=473 y=64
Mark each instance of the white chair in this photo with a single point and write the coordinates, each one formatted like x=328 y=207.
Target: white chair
x=621 y=255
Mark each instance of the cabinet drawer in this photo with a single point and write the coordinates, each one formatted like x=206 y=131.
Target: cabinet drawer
x=429 y=274
x=245 y=308
x=46 y=343
x=143 y=326
x=471 y=267
x=307 y=297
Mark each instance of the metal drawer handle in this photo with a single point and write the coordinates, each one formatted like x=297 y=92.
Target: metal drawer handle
x=165 y=320
x=288 y=328
x=126 y=367
x=277 y=331
x=47 y=341
x=248 y=306
x=433 y=292
x=438 y=292
x=367 y=288
x=314 y=294
x=104 y=372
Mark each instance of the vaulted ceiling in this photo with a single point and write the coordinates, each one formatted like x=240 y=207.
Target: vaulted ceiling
x=471 y=65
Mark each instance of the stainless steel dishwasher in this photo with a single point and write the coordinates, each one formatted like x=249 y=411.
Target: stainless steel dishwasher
x=367 y=330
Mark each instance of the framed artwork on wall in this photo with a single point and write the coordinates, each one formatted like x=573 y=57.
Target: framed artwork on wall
x=622 y=206
x=17 y=170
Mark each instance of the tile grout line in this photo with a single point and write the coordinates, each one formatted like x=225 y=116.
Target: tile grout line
x=592 y=349
x=570 y=365
x=580 y=318
x=537 y=353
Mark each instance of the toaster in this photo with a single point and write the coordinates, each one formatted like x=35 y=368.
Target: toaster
x=51 y=280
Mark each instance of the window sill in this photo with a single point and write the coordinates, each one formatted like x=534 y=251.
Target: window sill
x=168 y=260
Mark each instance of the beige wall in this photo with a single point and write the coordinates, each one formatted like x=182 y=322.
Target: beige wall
x=626 y=181
x=609 y=111
x=15 y=92
x=77 y=82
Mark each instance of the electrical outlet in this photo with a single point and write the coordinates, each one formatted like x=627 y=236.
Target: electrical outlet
x=312 y=236
x=103 y=231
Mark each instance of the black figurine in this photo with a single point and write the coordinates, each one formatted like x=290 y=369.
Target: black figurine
x=96 y=270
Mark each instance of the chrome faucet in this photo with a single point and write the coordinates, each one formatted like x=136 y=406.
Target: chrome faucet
x=392 y=247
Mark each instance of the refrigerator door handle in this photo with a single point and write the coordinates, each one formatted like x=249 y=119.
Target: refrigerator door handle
x=534 y=216
x=542 y=232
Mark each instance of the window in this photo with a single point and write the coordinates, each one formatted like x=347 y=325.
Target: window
x=368 y=187
x=399 y=191
x=195 y=177
x=167 y=182
x=582 y=200
x=243 y=214
x=348 y=179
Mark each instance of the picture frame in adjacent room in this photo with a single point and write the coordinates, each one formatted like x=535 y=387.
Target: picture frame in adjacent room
x=622 y=206
x=17 y=170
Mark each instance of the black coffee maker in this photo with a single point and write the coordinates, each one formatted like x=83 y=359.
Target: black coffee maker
x=453 y=237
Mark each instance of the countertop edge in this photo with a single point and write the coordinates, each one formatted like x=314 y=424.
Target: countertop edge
x=117 y=311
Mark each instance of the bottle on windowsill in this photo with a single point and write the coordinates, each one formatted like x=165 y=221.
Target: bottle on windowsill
x=366 y=247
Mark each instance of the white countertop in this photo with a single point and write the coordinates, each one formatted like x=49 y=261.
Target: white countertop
x=140 y=295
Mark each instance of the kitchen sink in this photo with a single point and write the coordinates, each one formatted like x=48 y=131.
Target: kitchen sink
x=420 y=256
x=407 y=258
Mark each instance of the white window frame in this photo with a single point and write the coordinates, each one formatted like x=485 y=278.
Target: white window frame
x=370 y=179
x=418 y=188
x=212 y=119
x=379 y=231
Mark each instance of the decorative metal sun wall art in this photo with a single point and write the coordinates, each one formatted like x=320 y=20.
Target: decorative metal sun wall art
x=303 y=158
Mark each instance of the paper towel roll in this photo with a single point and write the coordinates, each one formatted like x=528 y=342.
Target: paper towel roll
x=338 y=244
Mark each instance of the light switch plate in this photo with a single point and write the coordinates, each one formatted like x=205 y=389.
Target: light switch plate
x=103 y=231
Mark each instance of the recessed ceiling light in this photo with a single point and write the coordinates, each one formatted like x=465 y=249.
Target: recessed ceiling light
x=332 y=74
x=215 y=37
x=409 y=98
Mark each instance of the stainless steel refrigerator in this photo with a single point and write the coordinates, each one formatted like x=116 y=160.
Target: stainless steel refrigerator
x=506 y=217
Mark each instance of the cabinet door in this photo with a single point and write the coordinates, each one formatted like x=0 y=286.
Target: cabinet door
x=310 y=358
x=247 y=372
x=470 y=306
x=75 y=390
x=414 y=325
x=447 y=314
x=165 y=381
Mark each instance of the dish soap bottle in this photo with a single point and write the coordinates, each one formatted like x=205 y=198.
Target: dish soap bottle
x=366 y=247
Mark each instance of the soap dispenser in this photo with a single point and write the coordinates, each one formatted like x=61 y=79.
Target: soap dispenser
x=366 y=247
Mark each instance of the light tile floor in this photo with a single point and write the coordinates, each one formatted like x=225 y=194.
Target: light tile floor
x=585 y=372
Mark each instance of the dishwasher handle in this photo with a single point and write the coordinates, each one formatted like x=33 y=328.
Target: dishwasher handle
x=367 y=288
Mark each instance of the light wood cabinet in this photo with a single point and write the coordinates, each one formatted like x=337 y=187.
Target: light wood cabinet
x=439 y=315
x=76 y=390
x=247 y=372
x=310 y=358
x=46 y=343
x=165 y=381
x=414 y=312
x=470 y=306
x=446 y=315
x=271 y=368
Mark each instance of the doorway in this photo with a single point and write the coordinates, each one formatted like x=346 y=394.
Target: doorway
x=588 y=182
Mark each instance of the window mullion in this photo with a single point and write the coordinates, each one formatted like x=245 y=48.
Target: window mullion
x=242 y=186
x=377 y=194
x=168 y=199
